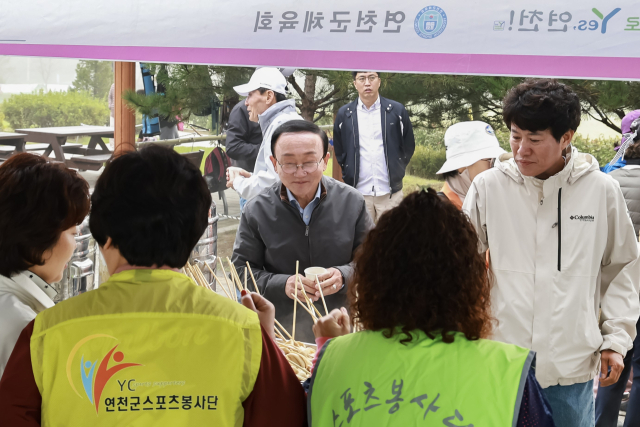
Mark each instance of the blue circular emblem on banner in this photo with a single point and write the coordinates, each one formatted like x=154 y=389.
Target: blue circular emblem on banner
x=430 y=22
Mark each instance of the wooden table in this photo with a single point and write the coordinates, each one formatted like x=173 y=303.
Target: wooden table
x=56 y=137
x=13 y=139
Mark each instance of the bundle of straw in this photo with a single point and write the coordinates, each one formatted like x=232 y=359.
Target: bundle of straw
x=193 y=272
x=299 y=355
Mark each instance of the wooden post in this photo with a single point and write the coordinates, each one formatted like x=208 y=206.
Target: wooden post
x=125 y=119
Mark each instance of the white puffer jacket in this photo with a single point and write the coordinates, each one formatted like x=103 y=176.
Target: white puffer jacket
x=20 y=300
x=560 y=252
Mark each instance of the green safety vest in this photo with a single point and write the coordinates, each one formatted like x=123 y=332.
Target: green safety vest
x=148 y=348
x=365 y=379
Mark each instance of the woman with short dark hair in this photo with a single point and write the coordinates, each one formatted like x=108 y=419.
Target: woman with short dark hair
x=41 y=204
x=422 y=296
x=149 y=346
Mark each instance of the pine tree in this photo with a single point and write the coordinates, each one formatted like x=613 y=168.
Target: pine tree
x=95 y=77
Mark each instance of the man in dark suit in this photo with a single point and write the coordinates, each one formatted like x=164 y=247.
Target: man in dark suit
x=373 y=141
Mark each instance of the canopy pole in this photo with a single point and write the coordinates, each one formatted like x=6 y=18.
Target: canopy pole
x=125 y=119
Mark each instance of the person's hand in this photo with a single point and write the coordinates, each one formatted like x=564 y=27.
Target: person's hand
x=610 y=358
x=307 y=284
x=229 y=180
x=331 y=282
x=266 y=311
x=335 y=324
x=233 y=172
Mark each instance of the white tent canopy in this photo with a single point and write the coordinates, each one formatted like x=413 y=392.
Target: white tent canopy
x=523 y=38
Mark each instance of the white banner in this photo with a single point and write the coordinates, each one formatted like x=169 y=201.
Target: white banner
x=543 y=37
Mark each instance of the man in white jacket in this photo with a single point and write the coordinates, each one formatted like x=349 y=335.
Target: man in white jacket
x=563 y=251
x=267 y=104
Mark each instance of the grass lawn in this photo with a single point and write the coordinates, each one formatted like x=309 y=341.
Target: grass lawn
x=187 y=149
x=415 y=183
x=329 y=171
x=410 y=183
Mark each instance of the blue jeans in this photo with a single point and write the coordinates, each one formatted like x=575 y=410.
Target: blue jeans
x=242 y=203
x=572 y=405
x=608 y=400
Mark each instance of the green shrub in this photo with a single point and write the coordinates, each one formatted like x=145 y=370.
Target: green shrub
x=429 y=155
x=427 y=137
x=47 y=109
x=601 y=148
x=426 y=161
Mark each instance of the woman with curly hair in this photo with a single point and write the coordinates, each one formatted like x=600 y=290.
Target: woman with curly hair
x=421 y=296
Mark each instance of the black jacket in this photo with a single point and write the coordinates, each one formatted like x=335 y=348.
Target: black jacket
x=243 y=137
x=272 y=236
x=397 y=137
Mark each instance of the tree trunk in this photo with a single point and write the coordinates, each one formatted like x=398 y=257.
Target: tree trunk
x=476 y=114
x=308 y=109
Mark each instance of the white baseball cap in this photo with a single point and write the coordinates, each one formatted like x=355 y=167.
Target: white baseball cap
x=268 y=78
x=469 y=142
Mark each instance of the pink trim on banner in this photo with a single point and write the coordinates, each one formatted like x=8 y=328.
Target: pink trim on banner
x=436 y=63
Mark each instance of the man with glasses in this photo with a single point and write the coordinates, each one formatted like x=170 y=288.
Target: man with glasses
x=307 y=217
x=373 y=141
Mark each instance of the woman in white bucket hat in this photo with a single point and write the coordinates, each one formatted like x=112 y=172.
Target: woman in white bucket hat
x=471 y=149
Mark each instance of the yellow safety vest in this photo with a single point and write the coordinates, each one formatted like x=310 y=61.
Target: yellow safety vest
x=148 y=348
x=366 y=379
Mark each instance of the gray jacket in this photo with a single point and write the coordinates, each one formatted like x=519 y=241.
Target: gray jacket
x=272 y=236
x=629 y=179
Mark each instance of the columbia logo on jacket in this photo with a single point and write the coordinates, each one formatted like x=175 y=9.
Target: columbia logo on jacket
x=586 y=218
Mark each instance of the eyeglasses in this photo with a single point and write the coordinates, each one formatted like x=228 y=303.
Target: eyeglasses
x=308 y=167
x=370 y=78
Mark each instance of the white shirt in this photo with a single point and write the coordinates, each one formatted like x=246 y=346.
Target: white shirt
x=21 y=297
x=373 y=175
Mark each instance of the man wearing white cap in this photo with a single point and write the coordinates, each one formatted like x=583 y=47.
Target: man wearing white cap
x=267 y=104
x=471 y=149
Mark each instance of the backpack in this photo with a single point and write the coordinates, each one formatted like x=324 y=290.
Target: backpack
x=150 y=125
x=215 y=170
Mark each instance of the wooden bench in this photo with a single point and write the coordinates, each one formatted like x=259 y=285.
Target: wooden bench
x=73 y=148
x=35 y=147
x=92 y=163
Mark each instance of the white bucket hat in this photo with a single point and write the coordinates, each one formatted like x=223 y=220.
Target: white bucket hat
x=469 y=142
x=268 y=78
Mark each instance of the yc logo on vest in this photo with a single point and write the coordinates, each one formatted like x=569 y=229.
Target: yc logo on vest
x=94 y=376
